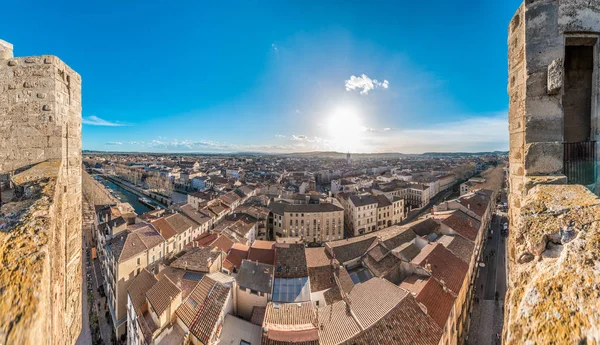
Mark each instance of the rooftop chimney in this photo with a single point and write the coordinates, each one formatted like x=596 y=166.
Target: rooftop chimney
x=6 y=50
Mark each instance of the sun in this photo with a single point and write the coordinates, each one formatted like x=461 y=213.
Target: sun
x=345 y=128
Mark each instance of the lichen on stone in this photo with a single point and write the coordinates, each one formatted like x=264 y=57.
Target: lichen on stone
x=555 y=299
x=23 y=249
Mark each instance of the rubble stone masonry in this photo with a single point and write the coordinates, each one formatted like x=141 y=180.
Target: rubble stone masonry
x=40 y=229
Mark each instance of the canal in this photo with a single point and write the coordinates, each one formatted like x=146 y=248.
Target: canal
x=124 y=195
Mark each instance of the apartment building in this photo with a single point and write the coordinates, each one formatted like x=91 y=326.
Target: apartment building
x=389 y=212
x=138 y=247
x=361 y=214
x=311 y=222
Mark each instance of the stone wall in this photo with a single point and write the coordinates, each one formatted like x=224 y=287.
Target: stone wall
x=40 y=121
x=541 y=306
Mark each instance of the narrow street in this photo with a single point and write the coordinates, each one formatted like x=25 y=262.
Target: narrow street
x=488 y=314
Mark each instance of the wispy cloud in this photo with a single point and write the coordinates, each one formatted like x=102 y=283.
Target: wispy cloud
x=114 y=143
x=474 y=133
x=365 y=84
x=279 y=136
x=274 y=47
x=96 y=121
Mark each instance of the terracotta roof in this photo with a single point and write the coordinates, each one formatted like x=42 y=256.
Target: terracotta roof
x=424 y=227
x=179 y=222
x=463 y=224
x=373 y=299
x=462 y=248
x=258 y=315
x=290 y=260
x=164 y=228
x=336 y=324
x=405 y=324
x=205 y=239
x=351 y=248
x=414 y=283
x=476 y=203
x=385 y=267
x=237 y=253
x=437 y=299
x=201 y=310
x=332 y=295
x=317 y=257
x=443 y=265
x=134 y=241
x=290 y=316
x=321 y=278
x=161 y=295
x=258 y=244
x=190 y=212
x=198 y=259
x=223 y=242
x=184 y=280
x=265 y=256
x=139 y=286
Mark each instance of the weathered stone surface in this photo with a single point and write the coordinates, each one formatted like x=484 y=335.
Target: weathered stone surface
x=555 y=300
x=6 y=50
x=40 y=299
x=532 y=181
x=543 y=158
x=555 y=76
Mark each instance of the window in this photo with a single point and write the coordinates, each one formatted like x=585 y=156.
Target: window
x=243 y=342
x=138 y=262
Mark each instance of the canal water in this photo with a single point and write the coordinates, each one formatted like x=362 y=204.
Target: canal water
x=125 y=196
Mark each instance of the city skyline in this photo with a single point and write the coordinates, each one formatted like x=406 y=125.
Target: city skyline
x=277 y=78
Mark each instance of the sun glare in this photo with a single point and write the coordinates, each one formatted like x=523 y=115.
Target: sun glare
x=345 y=127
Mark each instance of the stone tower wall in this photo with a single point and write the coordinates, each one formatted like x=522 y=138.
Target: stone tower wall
x=40 y=121
x=552 y=279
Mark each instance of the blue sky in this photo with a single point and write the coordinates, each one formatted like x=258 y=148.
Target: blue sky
x=278 y=76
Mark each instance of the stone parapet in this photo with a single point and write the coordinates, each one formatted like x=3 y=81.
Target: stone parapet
x=554 y=268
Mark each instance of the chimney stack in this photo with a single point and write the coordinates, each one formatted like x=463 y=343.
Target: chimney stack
x=6 y=50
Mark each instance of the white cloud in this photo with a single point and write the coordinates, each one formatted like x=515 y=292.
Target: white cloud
x=299 y=137
x=364 y=84
x=96 y=121
x=387 y=129
x=274 y=47
x=114 y=143
x=279 y=136
x=478 y=133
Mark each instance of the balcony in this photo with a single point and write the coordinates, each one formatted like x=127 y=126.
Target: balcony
x=580 y=163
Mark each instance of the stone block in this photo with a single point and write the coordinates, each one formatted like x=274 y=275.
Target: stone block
x=544 y=129
x=532 y=181
x=543 y=158
x=544 y=107
x=555 y=76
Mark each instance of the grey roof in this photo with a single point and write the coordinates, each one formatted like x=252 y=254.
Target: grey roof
x=281 y=208
x=363 y=200
x=255 y=276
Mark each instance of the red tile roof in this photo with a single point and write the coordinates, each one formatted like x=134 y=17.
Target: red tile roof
x=463 y=224
x=443 y=265
x=437 y=299
x=406 y=324
x=164 y=228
